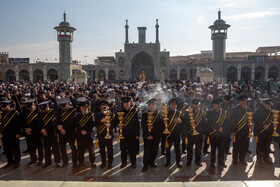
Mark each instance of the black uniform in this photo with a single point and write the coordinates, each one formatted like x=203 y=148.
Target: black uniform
x=85 y=122
x=205 y=143
x=34 y=140
x=10 y=127
x=217 y=138
x=238 y=121
x=50 y=141
x=196 y=140
x=151 y=146
x=101 y=131
x=227 y=132
x=263 y=136
x=174 y=136
x=183 y=134
x=130 y=131
x=66 y=119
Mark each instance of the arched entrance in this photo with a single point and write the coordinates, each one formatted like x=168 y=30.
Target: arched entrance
x=112 y=75
x=273 y=72
x=259 y=73
x=246 y=73
x=101 y=75
x=142 y=62
x=231 y=74
x=183 y=74
x=121 y=74
x=10 y=76
x=38 y=75
x=173 y=74
x=24 y=75
x=52 y=75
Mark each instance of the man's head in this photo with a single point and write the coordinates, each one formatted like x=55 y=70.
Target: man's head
x=242 y=99
x=30 y=104
x=152 y=105
x=173 y=104
x=126 y=102
x=104 y=105
x=44 y=106
x=266 y=103
x=5 y=104
x=195 y=104
x=217 y=103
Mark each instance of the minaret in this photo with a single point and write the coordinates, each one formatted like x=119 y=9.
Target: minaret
x=157 y=36
x=65 y=39
x=126 y=32
x=219 y=36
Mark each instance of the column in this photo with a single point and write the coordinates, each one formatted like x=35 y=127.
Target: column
x=253 y=72
x=45 y=73
x=266 y=71
x=239 y=71
x=106 y=73
x=30 y=74
x=17 y=73
x=178 y=72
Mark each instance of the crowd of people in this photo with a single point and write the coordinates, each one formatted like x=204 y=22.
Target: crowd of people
x=193 y=117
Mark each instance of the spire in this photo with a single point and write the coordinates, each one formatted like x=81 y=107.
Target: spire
x=126 y=31
x=64 y=16
x=157 y=36
x=219 y=14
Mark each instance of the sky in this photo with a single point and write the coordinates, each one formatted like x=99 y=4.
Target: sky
x=27 y=25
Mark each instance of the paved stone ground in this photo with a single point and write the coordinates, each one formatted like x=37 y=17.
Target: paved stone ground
x=253 y=171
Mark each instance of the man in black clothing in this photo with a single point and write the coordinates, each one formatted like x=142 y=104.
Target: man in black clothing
x=227 y=107
x=105 y=142
x=263 y=129
x=33 y=125
x=151 y=133
x=240 y=131
x=10 y=130
x=64 y=121
x=174 y=126
x=195 y=139
x=216 y=118
x=49 y=134
x=84 y=123
x=130 y=131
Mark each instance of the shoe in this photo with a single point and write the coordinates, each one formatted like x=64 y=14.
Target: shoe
x=222 y=165
x=31 y=163
x=93 y=165
x=167 y=164
x=40 y=163
x=64 y=165
x=145 y=168
x=57 y=165
x=133 y=166
x=179 y=165
x=47 y=165
x=212 y=165
x=103 y=165
x=189 y=164
x=243 y=163
x=123 y=165
x=109 y=166
x=153 y=165
x=7 y=165
x=16 y=166
x=198 y=164
x=248 y=151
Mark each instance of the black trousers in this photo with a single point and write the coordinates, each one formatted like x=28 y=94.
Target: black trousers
x=205 y=144
x=150 y=150
x=50 y=142
x=11 y=148
x=163 y=140
x=217 y=140
x=63 y=140
x=197 y=141
x=174 y=138
x=85 y=142
x=183 y=136
x=240 y=147
x=263 y=146
x=34 y=142
x=129 y=144
x=227 y=143
x=103 y=145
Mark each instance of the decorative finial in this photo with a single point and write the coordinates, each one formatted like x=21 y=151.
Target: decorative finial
x=64 y=16
x=126 y=21
x=157 y=21
x=219 y=14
